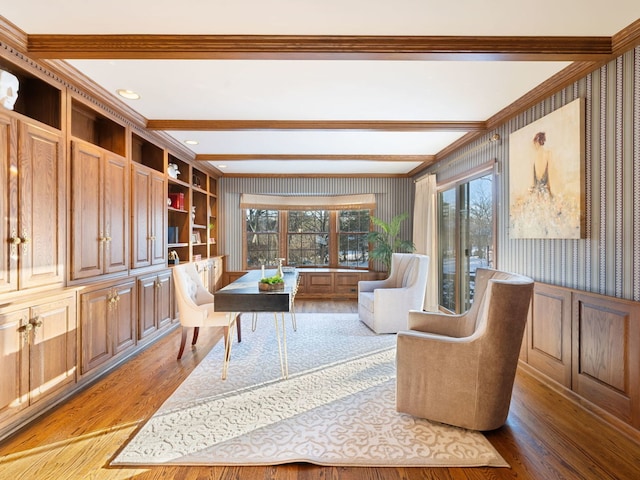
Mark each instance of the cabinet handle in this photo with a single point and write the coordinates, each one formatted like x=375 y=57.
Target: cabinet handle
x=36 y=322
x=24 y=241
x=24 y=330
x=15 y=240
x=158 y=285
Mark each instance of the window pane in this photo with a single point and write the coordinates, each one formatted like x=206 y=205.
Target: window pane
x=465 y=240
x=353 y=248
x=308 y=238
x=480 y=231
x=447 y=247
x=262 y=237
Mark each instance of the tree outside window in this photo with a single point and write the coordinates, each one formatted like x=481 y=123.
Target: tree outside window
x=262 y=233
x=312 y=238
x=353 y=248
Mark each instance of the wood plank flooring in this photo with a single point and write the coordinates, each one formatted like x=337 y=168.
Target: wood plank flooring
x=546 y=436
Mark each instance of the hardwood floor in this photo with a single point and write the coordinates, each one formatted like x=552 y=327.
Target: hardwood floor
x=546 y=436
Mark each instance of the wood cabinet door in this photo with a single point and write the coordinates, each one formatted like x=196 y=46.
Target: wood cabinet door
x=164 y=294
x=86 y=211
x=116 y=213
x=14 y=368
x=95 y=313
x=147 y=306
x=41 y=203
x=141 y=228
x=52 y=353
x=124 y=317
x=8 y=201
x=158 y=219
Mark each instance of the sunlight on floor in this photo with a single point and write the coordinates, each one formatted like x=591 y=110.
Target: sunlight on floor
x=79 y=458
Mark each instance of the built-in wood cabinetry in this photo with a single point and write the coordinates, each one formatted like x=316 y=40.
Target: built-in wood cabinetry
x=589 y=345
x=108 y=323
x=99 y=211
x=32 y=204
x=321 y=282
x=192 y=212
x=149 y=226
x=211 y=271
x=155 y=303
x=38 y=351
x=84 y=216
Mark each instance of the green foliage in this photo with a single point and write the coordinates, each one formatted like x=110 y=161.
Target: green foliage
x=272 y=280
x=386 y=242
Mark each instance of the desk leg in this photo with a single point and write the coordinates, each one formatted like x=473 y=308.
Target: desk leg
x=227 y=344
x=282 y=344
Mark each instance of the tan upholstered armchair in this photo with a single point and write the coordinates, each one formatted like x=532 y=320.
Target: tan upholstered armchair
x=460 y=369
x=383 y=305
x=196 y=309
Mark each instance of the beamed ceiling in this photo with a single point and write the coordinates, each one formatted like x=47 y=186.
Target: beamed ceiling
x=333 y=87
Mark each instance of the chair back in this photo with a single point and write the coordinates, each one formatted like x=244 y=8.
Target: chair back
x=191 y=296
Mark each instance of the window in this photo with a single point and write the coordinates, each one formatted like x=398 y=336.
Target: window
x=262 y=234
x=353 y=248
x=308 y=238
x=311 y=238
x=465 y=239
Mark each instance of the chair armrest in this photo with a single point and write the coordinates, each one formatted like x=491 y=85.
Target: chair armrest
x=371 y=285
x=192 y=315
x=438 y=323
x=203 y=296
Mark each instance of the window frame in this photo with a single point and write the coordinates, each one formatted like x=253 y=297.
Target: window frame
x=487 y=168
x=283 y=217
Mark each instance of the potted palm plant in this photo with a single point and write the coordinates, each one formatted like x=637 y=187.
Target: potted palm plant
x=386 y=242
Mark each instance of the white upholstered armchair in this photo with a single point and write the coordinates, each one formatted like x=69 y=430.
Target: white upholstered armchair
x=196 y=308
x=383 y=305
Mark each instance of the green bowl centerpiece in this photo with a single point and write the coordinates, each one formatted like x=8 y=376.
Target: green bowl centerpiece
x=270 y=284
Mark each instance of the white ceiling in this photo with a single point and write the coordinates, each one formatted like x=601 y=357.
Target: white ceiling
x=323 y=90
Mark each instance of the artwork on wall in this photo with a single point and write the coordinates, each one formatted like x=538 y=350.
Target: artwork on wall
x=546 y=176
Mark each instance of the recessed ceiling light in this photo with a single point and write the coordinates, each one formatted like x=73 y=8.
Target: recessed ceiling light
x=221 y=166
x=128 y=94
x=191 y=142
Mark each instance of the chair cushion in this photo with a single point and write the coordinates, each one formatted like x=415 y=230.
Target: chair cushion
x=365 y=299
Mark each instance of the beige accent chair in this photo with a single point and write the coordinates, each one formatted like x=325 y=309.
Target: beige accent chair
x=196 y=309
x=383 y=305
x=460 y=369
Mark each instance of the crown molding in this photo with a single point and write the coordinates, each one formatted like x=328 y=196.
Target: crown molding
x=372 y=125
x=128 y=46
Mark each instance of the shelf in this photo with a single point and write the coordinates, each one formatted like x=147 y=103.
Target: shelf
x=177 y=210
x=177 y=245
x=177 y=181
x=203 y=227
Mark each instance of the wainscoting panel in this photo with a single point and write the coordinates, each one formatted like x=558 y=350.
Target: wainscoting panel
x=606 y=354
x=549 y=333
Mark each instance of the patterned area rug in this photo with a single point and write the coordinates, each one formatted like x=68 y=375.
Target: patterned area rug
x=337 y=406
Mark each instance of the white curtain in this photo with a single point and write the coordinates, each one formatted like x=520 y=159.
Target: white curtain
x=425 y=234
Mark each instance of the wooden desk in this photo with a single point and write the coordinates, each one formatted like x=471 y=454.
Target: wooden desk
x=243 y=295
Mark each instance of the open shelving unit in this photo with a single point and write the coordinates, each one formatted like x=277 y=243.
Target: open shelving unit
x=192 y=212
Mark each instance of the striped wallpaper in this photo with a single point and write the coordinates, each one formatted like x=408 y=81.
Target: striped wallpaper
x=393 y=196
x=607 y=259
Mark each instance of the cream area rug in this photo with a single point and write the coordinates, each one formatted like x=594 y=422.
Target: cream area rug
x=337 y=407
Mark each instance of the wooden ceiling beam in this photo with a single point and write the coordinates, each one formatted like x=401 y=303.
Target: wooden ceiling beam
x=370 y=125
x=219 y=157
x=126 y=46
